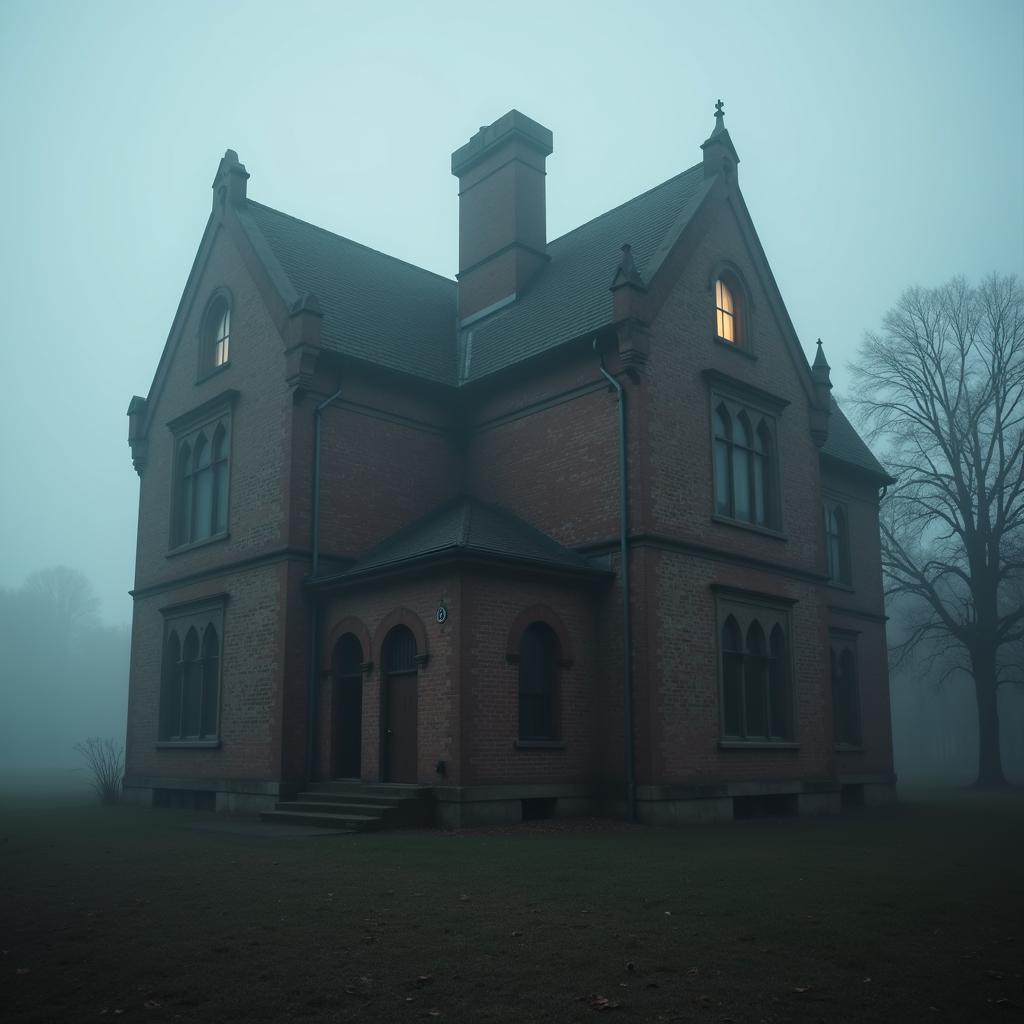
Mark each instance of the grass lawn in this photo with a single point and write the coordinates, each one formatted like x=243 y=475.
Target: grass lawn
x=895 y=914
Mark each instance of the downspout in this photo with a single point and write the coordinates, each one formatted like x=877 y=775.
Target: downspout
x=627 y=628
x=314 y=624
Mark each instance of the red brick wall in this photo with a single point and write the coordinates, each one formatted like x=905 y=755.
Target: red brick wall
x=250 y=693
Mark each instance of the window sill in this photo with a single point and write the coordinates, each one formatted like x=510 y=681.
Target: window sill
x=737 y=347
x=188 y=744
x=839 y=585
x=207 y=374
x=539 y=744
x=182 y=548
x=764 y=531
x=757 y=745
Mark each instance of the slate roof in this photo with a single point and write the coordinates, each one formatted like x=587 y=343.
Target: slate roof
x=845 y=445
x=472 y=528
x=571 y=296
x=375 y=307
x=384 y=311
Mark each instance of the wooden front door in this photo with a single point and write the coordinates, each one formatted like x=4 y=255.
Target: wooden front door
x=400 y=700
x=347 y=704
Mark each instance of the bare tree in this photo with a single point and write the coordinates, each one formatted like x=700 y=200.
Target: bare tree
x=67 y=597
x=941 y=388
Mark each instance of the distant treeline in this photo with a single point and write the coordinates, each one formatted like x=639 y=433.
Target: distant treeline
x=63 y=677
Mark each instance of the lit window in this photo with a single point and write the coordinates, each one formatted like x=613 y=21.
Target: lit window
x=726 y=312
x=215 y=337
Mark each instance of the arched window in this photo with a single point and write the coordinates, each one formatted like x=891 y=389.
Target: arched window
x=538 y=683
x=200 y=505
x=190 y=682
x=845 y=691
x=726 y=312
x=216 y=335
x=730 y=310
x=744 y=465
x=837 y=542
x=755 y=677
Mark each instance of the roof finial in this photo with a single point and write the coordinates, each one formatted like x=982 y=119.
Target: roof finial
x=720 y=114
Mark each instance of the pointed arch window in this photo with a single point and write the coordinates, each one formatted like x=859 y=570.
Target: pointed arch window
x=744 y=464
x=215 y=335
x=730 y=309
x=755 y=695
x=201 y=482
x=190 y=680
x=845 y=690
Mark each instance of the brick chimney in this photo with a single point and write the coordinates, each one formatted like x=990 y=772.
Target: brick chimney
x=502 y=223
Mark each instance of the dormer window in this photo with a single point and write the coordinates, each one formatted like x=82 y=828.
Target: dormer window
x=216 y=335
x=729 y=322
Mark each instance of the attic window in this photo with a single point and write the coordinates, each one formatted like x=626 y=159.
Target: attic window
x=216 y=335
x=728 y=311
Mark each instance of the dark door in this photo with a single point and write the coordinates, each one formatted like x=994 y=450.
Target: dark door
x=400 y=697
x=347 y=702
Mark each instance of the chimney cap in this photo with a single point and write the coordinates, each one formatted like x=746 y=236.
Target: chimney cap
x=512 y=125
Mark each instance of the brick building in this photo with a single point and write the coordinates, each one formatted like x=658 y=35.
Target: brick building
x=387 y=519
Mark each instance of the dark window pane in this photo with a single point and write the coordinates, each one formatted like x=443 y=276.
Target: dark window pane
x=348 y=656
x=211 y=683
x=400 y=651
x=741 y=483
x=170 y=710
x=537 y=667
x=732 y=694
x=755 y=684
x=778 y=686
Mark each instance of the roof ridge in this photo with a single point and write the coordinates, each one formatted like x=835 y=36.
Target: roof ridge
x=614 y=209
x=352 y=241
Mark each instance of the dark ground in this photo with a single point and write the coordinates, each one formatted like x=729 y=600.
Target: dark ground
x=913 y=913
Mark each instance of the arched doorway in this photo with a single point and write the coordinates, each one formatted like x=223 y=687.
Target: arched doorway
x=347 y=708
x=399 y=671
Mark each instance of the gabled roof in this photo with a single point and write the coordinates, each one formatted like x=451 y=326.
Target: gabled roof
x=375 y=307
x=390 y=313
x=469 y=528
x=845 y=445
x=571 y=296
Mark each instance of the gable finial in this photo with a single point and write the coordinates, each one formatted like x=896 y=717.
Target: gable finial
x=720 y=113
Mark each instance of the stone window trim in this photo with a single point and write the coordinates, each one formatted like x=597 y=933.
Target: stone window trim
x=180 y=620
x=400 y=617
x=545 y=614
x=204 y=420
x=730 y=275
x=213 y=348
x=844 y=671
x=746 y=461
x=765 y=668
x=349 y=624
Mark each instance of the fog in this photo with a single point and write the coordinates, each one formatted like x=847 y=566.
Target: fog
x=881 y=145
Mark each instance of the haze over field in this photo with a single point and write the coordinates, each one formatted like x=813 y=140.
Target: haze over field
x=882 y=145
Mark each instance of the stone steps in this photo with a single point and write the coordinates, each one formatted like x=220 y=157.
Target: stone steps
x=353 y=806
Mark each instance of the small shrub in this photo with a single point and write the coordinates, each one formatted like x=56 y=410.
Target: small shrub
x=106 y=763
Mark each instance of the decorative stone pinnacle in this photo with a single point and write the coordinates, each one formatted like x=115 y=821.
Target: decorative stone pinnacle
x=719 y=112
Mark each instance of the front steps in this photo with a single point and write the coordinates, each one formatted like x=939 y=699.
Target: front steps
x=355 y=806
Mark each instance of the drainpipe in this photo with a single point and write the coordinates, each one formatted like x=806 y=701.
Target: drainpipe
x=627 y=628
x=314 y=624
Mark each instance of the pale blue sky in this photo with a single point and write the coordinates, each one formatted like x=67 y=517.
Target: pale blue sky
x=882 y=145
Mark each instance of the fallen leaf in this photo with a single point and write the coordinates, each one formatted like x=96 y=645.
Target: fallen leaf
x=599 y=1003
x=464 y=898
x=424 y=979
x=802 y=988
x=516 y=935
x=22 y=970
x=433 y=1013
x=630 y=966
x=150 y=1004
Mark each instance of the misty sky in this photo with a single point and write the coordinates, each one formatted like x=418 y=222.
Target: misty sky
x=882 y=144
